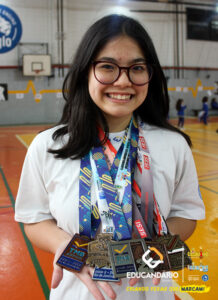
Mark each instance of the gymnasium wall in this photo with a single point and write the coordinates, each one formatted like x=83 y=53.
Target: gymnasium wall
x=38 y=100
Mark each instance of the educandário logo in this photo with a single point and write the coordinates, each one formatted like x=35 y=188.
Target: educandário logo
x=10 y=29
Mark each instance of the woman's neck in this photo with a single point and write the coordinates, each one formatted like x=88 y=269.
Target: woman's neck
x=117 y=124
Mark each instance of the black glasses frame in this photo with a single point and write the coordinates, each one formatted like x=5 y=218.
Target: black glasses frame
x=127 y=69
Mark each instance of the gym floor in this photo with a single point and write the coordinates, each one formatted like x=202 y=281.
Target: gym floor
x=25 y=271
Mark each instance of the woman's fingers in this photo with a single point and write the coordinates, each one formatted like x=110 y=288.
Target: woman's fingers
x=133 y=281
x=56 y=276
x=93 y=287
x=107 y=288
x=58 y=271
x=118 y=282
x=156 y=281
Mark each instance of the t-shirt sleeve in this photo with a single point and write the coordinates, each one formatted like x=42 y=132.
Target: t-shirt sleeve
x=32 y=202
x=187 y=201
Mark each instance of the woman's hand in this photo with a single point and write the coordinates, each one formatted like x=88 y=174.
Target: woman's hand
x=85 y=276
x=133 y=281
x=57 y=270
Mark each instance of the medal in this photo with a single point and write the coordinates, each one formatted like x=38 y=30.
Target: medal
x=98 y=251
x=104 y=274
x=75 y=254
x=155 y=256
x=177 y=251
x=122 y=259
x=138 y=247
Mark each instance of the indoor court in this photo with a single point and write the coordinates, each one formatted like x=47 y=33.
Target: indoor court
x=38 y=40
x=27 y=270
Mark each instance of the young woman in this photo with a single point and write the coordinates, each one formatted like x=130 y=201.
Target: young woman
x=116 y=101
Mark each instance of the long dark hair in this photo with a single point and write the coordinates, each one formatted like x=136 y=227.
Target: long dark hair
x=179 y=104
x=80 y=114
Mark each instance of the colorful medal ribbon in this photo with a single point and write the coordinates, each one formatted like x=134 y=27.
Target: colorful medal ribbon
x=113 y=172
x=115 y=183
x=148 y=207
x=85 y=227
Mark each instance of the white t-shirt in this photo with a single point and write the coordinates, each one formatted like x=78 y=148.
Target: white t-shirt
x=49 y=189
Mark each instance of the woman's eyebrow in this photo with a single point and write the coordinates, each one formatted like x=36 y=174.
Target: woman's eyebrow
x=112 y=60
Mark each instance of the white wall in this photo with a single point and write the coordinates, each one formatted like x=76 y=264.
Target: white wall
x=39 y=20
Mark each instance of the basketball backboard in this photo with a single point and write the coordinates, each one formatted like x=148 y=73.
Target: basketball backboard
x=36 y=65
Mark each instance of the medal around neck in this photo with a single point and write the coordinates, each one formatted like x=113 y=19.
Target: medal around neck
x=75 y=254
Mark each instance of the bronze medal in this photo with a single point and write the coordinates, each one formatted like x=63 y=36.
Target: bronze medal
x=98 y=251
x=75 y=254
x=177 y=251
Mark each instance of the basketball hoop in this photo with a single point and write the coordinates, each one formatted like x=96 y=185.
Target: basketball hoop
x=37 y=72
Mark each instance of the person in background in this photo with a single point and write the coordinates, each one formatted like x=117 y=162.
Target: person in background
x=181 y=107
x=94 y=160
x=203 y=115
x=214 y=103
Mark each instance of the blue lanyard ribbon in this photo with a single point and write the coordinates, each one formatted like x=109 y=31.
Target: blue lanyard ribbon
x=122 y=166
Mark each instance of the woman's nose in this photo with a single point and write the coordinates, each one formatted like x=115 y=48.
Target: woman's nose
x=123 y=79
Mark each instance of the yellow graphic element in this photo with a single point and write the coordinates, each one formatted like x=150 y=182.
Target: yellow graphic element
x=199 y=253
x=31 y=86
x=86 y=171
x=115 y=207
x=25 y=139
x=38 y=95
x=195 y=90
x=157 y=252
x=194 y=289
x=95 y=212
x=120 y=251
x=80 y=245
x=178 y=290
x=106 y=178
x=108 y=187
x=85 y=201
x=86 y=181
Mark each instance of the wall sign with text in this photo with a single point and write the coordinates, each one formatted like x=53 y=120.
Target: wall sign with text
x=10 y=29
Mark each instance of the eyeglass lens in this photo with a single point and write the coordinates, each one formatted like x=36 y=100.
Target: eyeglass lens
x=107 y=73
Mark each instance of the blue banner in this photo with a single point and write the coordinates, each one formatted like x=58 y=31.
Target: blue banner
x=10 y=29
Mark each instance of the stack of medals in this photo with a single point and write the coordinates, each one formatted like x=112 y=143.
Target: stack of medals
x=164 y=253
x=114 y=259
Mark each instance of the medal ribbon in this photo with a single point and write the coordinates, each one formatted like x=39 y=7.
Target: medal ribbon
x=149 y=208
x=116 y=182
x=120 y=165
x=85 y=197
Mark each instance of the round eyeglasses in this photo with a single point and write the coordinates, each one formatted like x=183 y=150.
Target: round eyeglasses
x=107 y=73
